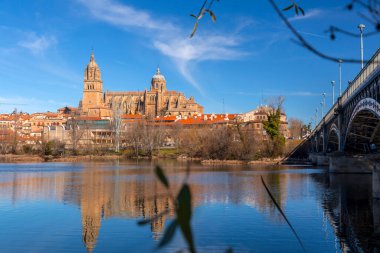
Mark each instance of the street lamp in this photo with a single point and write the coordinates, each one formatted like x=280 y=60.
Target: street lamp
x=324 y=100
x=361 y=29
x=316 y=116
x=332 y=85
x=321 y=109
x=340 y=77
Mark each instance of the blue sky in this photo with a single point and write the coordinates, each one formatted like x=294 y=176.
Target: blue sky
x=246 y=55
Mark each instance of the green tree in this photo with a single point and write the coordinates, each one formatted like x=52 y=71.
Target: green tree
x=272 y=127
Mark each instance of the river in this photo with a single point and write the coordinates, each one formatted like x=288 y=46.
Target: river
x=95 y=207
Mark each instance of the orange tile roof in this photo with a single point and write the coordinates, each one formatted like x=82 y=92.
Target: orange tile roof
x=51 y=114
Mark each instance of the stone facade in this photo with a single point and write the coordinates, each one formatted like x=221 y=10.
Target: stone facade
x=157 y=101
x=254 y=119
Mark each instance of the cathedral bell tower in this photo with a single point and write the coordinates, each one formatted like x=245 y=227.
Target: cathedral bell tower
x=93 y=86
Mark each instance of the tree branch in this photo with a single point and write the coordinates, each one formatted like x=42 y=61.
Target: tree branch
x=304 y=43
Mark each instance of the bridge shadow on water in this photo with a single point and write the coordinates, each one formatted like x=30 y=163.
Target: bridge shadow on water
x=352 y=211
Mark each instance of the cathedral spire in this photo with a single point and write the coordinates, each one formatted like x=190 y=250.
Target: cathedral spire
x=92 y=58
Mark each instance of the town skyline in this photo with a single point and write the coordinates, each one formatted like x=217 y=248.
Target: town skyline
x=227 y=67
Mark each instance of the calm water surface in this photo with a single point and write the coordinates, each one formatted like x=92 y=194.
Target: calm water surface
x=94 y=207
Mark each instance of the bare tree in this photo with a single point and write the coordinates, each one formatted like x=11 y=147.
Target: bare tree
x=16 y=124
x=295 y=128
x=134 y=135
x=116 y=126
x=76 y=132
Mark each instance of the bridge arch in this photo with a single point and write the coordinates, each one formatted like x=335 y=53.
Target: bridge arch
x=363 y=129
x=333 y=140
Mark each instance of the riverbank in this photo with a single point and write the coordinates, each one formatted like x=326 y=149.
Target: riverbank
x=11 y=158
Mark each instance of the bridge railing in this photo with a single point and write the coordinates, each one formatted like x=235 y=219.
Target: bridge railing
x=359 y=80
x=369 y=68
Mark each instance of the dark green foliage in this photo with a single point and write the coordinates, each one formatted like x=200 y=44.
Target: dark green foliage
x=161 y=176
x=272 y=125
x=48 y=148
x=201 y=13
x=27 y=149
x=53 y=147
x=183 y=211
x=169 y=233
x=147 y=221
x=296 y=7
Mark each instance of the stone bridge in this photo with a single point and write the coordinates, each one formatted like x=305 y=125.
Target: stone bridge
x=352 y=125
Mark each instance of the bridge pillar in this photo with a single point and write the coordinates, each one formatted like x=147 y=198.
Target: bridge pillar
x=350 y=164
x=376 y=182
x=319 y=159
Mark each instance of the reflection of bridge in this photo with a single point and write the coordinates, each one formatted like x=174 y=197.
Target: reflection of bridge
x=348 y=205
x=353 y=122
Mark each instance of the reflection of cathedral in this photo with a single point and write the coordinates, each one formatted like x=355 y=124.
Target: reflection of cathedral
x=102 y=199
x=157 y=101
x=132 y=194
x=102 y=193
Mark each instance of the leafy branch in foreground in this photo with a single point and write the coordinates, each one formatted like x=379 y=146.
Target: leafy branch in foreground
x=296 y=7
x=183 y=211
x=201 y=13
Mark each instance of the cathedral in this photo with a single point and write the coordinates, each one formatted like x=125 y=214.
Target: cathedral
x=158 y=101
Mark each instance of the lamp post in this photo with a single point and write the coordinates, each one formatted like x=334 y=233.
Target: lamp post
x=316 y=117
x=321 y=109
x=324 y=100
x=311 y=121
x=340 y=77
x=333 y=99
x=361 y=29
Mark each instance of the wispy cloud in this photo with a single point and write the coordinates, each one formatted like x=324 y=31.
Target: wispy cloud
x=164 y=37
x=201 y=48
x=312 y=13
x=38 y=44
x=124 y=16
x=185 y=52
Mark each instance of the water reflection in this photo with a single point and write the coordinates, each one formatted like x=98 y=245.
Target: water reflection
x=129 y=191
x=352 y=211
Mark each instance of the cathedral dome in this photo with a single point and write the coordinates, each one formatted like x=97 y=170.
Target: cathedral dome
x=158 y=76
